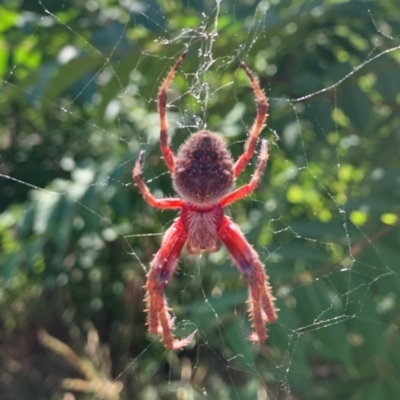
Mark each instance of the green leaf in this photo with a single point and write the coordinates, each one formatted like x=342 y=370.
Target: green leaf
x=7 y=20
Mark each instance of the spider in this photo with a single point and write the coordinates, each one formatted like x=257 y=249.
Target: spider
x=203 y=173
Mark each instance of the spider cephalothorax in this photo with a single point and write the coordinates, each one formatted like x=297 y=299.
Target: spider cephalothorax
x=203 y=174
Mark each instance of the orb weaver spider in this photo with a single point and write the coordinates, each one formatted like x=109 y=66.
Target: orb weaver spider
x=203 y=173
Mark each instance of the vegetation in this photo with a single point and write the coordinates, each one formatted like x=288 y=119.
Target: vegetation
x=78 y=83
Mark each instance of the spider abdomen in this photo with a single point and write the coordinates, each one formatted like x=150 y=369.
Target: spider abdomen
x=203 y=169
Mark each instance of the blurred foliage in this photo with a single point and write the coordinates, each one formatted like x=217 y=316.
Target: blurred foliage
x=78 y=82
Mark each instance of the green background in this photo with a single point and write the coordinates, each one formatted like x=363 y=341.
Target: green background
x=78 y=85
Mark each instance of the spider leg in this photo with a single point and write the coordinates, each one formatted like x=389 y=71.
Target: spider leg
x=162 y=105
x=161 y=269
x=261 y=301
x=258 y=124
x=254 y=182
x=157 y=203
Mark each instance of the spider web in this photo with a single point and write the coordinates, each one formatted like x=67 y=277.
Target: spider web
x=299 y=221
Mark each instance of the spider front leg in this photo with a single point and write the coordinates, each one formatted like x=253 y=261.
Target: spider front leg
x=161 y=269
x=261 y=302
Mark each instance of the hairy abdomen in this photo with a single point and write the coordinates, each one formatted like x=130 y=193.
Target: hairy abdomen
x=203 y=169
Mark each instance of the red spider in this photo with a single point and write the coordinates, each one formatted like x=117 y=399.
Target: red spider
x=203 y=173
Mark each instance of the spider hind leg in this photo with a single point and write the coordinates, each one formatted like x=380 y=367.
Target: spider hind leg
x=162 y=111
x=258 y=124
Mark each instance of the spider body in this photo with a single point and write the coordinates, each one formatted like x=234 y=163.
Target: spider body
x=203 y=174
